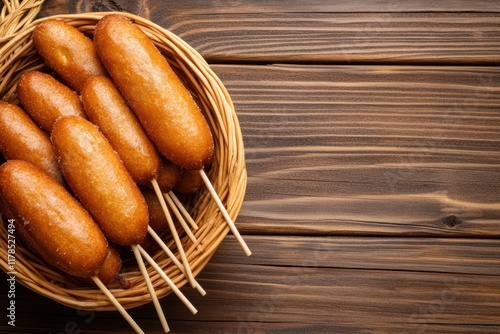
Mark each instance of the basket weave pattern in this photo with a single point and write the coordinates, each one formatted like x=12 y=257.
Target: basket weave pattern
x=15 y=15
x=227 y=172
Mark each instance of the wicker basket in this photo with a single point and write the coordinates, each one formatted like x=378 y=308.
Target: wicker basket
x=227 y=173
x=15 y=15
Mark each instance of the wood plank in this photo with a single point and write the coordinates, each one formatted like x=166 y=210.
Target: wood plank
x=465 y=38
x=320 y=285
x=369 y=149
x=321 y=6
x=272 y=6
x=433 y=255
x=330 y=32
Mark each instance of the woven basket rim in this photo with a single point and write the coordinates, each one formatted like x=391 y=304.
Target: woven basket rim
x=227 y=172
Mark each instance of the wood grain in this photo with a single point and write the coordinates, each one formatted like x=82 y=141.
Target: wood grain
x=343 y=37
x=329 y=32
x=321 y=285
x=433 y=255
x=276 y=6
x=369 y=149
x=373 y=197
x=321 y=6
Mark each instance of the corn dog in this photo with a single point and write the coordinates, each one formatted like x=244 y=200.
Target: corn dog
x=46 y=99
x=107 y=109
x=109 y=270
x=22 y=139
x=165 y=108
x=189 y=182
x=95 y=173
x=157 y=219
x=169 y=175
x=67 y=51
x=65 y=234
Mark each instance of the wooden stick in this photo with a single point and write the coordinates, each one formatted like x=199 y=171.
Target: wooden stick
x=173 y=258
x=185 y=262
x=172 y=285
x=150 y=287
x=183 y=210
x=225 y=213
x=180 y=217
x=117 y=304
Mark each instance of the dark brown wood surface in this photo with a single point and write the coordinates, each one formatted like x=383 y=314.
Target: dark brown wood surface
x=372 y=136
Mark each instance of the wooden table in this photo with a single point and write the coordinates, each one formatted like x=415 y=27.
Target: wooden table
x=372 y=134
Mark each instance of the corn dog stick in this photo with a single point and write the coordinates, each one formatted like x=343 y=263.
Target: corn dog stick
x=172 y=285
x=180 y=218
x=185 y=262
x=173 y=258
x=117 y=304
x=225 y=213
x=151 y=289
x=183 y=210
